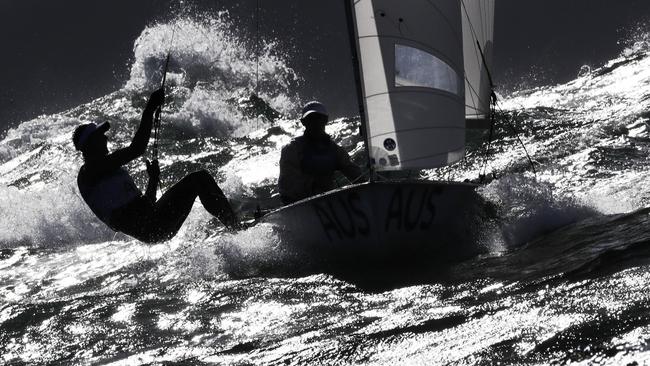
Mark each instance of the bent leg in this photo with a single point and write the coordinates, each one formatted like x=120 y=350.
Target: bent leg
x=174 y=206
x=212 y=198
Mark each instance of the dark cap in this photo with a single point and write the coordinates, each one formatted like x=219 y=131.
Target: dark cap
x=313 y=107
x=83 y=133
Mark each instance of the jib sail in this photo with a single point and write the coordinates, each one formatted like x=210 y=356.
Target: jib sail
x=478 y=35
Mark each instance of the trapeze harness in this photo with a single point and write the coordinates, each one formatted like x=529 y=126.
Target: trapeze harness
x=108 y=192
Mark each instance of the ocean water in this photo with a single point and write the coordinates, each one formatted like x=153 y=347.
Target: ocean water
x=562 y=280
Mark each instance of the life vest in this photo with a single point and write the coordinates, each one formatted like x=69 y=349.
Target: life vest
x=319 y=157
x=108 y=192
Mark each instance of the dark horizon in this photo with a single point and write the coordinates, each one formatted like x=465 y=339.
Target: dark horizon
x=59 y=56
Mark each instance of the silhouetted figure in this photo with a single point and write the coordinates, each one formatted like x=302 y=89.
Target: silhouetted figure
x=308 y=163
x=111 y=194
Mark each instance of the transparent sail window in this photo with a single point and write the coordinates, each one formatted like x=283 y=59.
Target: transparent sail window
x=414 y=67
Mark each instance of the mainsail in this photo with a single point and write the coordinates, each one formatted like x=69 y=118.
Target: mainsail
x=478 y=35
x=411 y=77
x=416 y=87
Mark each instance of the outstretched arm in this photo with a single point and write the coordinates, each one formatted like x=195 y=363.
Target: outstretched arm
x=140 y=141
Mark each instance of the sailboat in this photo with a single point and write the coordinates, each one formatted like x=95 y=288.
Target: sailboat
x=422 y=73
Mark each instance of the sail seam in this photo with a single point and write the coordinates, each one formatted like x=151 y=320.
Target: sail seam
x=419 y=129
x=474 y=108
x=431 y=156
x=436 y=52
x=440 y=92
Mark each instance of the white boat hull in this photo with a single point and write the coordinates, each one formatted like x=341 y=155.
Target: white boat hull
x=385 y=221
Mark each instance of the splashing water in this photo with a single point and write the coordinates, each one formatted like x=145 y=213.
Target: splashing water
x=563 y=281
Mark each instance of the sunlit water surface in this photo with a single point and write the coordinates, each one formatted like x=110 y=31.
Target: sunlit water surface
x=563 y=278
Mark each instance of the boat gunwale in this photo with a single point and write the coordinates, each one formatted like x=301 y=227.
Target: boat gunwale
x=357 y=185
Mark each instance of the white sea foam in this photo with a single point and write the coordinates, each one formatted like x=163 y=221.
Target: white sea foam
x=212 y=67
x=53 y=216
x=529 y=208
x=207 y=251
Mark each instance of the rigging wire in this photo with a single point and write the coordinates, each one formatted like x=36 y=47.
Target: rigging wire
x=508 y=122
x=258 y=212
x=156 y=136
x=481 y=60
x=517 y=134
x=487 y=151
x=257 y=56
x=494 y=103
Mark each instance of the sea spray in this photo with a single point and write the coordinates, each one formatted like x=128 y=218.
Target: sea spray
x=74 y=292
x=528 y=208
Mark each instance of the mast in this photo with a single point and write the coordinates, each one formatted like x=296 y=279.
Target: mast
x=363 y=127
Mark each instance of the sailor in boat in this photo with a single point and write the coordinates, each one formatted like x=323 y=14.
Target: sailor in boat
x=308 y=163
x=111 y=194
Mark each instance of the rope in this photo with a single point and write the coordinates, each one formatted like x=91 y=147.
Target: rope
x=156 y=120
x=512 y=128
x=508 y=121
x=493 y=105
x=487 y=151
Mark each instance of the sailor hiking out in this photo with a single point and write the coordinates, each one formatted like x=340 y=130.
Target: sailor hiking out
x=308 y=163
x=108 y=189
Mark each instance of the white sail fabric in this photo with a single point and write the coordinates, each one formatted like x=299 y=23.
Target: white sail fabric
x=411 y=68
x=478 y=29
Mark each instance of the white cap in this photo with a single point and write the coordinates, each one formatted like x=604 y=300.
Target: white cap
x=313 y=107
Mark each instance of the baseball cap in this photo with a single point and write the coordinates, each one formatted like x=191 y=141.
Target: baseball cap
x=83 y=133
x=313 y=107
